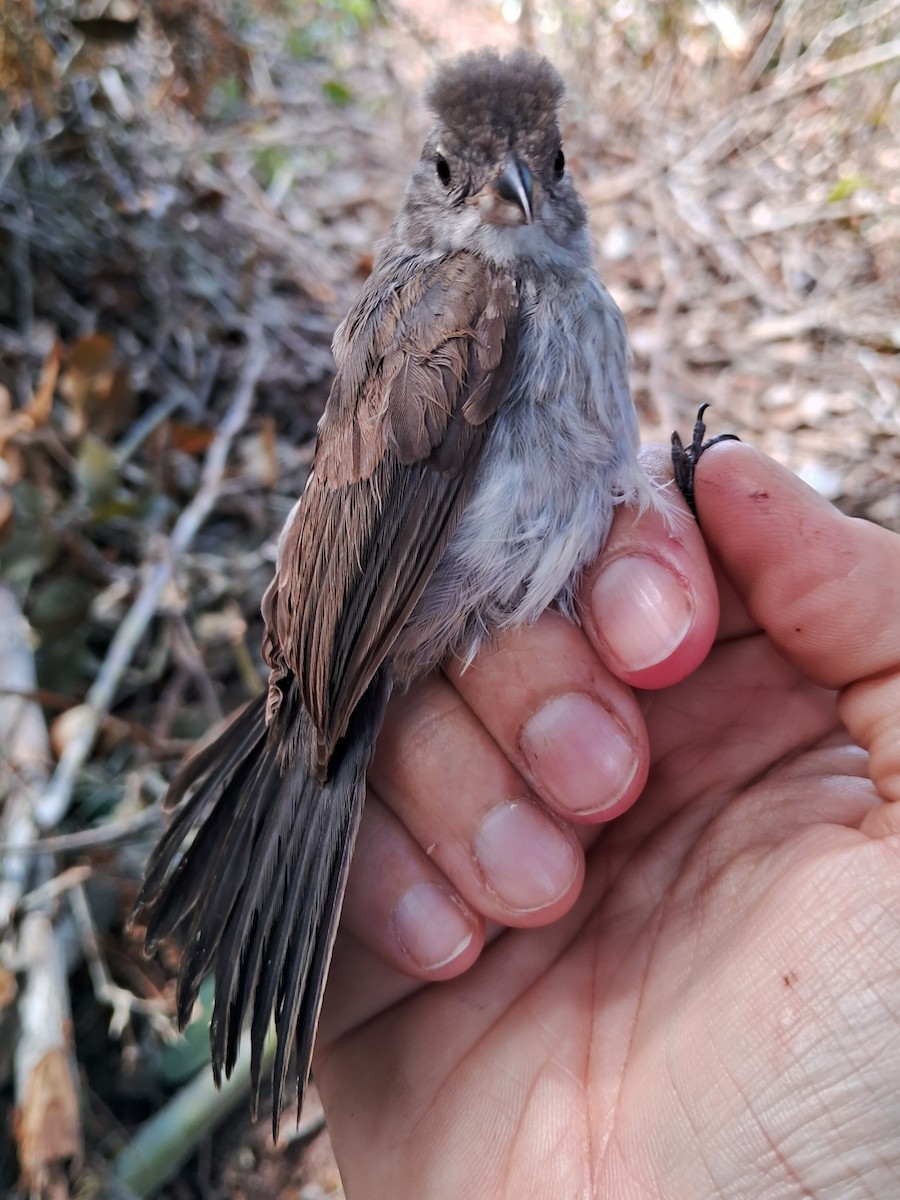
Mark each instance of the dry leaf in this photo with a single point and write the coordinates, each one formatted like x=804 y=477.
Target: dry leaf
x=87 y=377
x=12 y=465
x=9 y=989
x=7 y=512
x=112 y=732
x=260 y=455
x=190 y=439
x=68 y=725
x=91 y=355
x=27 y=65
x=35 y=413
x=224 y=627
x=41 y=402
x=48 y=1127
x=97 y=389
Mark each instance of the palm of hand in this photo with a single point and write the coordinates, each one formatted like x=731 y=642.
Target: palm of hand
x=715 y=1016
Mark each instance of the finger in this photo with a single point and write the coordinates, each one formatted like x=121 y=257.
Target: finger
x=649 y=605
x=823 y=586
x=347 y=1003
x=572 y=729
x=461 y=799
x=402 y=906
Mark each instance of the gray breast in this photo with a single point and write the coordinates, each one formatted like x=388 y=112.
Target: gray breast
x=561 y=454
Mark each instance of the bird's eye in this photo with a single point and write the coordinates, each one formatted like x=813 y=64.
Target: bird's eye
x=443 y=170
x=559 y=163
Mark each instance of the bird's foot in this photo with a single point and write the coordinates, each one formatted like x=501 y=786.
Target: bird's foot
x=685 y=458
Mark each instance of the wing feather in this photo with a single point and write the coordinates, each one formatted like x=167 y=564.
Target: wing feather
x=421 y=373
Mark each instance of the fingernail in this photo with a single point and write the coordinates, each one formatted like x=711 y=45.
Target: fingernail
x=432 y=927
x=526 y=860
x=642 y=611
x=580 y=754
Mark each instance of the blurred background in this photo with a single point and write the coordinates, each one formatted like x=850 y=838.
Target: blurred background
x=190 y=195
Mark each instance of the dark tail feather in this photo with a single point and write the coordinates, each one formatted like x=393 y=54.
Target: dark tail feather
x=218 y=762
x=260 y=886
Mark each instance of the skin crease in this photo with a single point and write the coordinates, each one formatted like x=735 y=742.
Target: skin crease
x=708 y=1007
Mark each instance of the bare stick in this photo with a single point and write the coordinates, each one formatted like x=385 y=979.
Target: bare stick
x=45 y=895
x=48 y=1122
x=110 y=834
x=803 y=77
x=122 y=1002
x=824 y=72
x=847 y=23
x=55 y=801
x=24 y=754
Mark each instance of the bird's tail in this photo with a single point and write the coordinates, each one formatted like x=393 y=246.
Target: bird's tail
x=252 y=873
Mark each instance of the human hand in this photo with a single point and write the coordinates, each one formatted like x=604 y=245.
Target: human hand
x=704 y=1005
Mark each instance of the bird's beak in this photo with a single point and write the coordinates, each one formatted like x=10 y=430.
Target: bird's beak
x=508 y=199
x=515 y=185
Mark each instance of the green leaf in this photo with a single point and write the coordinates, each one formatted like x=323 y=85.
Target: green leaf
x=337 y=92
x=97 y=471
x=846 y=186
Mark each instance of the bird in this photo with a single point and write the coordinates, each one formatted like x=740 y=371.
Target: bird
x=477 y=438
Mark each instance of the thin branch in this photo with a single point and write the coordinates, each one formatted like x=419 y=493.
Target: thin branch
x=24 y=754
x=764 y=52
x=122 y=1002
x=850 y=64
x=47 y=893
x=803 y=77
x=846 y=24
x=109 y=834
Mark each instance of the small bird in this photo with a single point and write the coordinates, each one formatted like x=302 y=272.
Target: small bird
x=478 y=435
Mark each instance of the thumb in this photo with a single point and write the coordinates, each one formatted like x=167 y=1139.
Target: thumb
x=823 y=586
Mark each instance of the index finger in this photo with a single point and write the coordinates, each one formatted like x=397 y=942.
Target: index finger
x=823 y=586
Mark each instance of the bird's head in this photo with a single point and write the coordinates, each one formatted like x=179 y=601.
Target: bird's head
x=492 y=176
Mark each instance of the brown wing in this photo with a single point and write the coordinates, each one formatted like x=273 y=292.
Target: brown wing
x=422 y=368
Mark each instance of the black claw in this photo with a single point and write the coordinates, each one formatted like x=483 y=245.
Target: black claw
x=685 y=458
